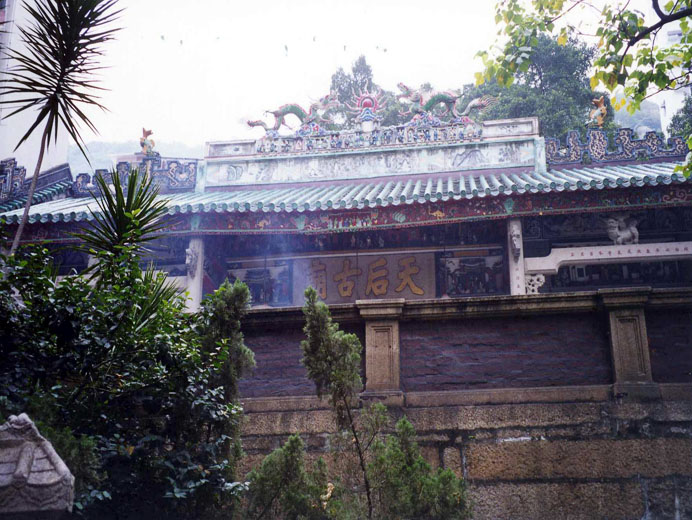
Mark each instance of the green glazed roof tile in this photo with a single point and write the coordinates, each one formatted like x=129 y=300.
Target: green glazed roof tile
x=365 y=194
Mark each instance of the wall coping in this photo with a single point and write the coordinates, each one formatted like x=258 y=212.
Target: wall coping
x=485 y=306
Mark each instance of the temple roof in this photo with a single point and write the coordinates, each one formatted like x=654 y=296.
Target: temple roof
x=373 y=193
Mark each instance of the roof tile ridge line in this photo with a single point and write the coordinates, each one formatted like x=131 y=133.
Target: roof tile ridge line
x=317 y=199
x=622 y=179
x=351 y=195
x=337 y=197
x=533 y=187
x=550 y=184
x=440 y=188
x=360 y=196
x=396 y=191
x=415 y=192
x=484 y=185
x=603 y=174
x=382 y=196
x=584 y=179
x=405 y=194
x=593 y=178
x=640 y=174
x=572 y=182
x=427 y=193
x=496 y=184
x=450 y=192
x=510 y=186
x=371 y=195
x=301 y=197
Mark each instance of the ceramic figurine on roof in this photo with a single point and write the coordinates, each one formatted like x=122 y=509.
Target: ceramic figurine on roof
x=422 y=100
x=146 y=143
x=365 y=108
x=597 y=115
x=308 y=118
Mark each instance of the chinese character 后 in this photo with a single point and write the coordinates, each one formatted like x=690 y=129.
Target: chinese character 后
x=318 y=277
x=377 y=278
x=408 y=269
x=344 y=285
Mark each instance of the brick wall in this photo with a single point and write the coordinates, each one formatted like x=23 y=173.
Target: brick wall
x=670 y=343
x=504 y=353
x=279 y=371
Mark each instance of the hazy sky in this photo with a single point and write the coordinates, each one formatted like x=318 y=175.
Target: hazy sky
x=195 y=71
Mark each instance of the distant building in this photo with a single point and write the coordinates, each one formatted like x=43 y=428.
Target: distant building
x=671 y=101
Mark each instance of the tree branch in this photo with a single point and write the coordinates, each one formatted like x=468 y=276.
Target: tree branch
x=666 y=19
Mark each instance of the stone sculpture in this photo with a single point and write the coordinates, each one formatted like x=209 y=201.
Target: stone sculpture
x=622 y=229
x=33 y=478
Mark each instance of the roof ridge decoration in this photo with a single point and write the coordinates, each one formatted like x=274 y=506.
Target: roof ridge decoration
x=596 y=149
x=172 y=175
x=422 y=109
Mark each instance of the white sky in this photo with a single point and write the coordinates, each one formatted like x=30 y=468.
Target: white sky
x=195 y=71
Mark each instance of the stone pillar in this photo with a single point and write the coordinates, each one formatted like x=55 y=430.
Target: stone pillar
x=194 y=261
x=629 y=342
x=515 y=248
x=382 y=350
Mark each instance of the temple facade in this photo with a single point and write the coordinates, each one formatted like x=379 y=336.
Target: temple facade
x=526 y=302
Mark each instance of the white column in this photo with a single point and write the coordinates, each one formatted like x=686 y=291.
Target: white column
x=515 y=249
x=194 y=261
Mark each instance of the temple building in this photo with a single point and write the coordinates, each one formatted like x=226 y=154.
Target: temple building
x=526 y=302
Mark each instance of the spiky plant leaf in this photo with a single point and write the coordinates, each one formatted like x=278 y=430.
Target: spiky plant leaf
x=54 y=73
x=126 y=217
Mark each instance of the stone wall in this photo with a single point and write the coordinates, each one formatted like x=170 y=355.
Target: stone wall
x=550 y=406
x=557 y=460
x=513 y=352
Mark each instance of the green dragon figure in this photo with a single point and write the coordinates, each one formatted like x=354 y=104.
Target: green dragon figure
x=305 y=117
x=421 y=104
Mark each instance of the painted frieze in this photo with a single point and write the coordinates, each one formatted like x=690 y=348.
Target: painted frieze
x=360 y=164
x=598 y=150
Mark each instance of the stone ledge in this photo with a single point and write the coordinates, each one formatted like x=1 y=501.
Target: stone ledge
x=681 y=392
x=480 y=306
x=508 y=395
x=381 y=309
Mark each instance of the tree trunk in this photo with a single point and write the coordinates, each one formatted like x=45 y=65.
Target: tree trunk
x=30 y=195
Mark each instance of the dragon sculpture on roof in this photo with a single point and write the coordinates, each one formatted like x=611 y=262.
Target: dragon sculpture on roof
x=424 y=101
x=315 y=114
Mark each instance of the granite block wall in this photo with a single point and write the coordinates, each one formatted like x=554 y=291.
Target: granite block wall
x=504 y=352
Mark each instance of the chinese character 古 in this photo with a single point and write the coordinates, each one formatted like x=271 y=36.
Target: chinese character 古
x=344 y=284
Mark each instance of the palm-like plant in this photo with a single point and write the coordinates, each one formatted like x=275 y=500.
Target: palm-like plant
x=53 y=74
x=128 y=216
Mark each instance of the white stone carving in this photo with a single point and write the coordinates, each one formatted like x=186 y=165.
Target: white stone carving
x=515 y=240
x=622 y=229
x=191 y=259
x=534 y=282
x=33 y=478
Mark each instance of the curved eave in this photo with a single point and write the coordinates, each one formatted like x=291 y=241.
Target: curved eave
x=375 y=193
